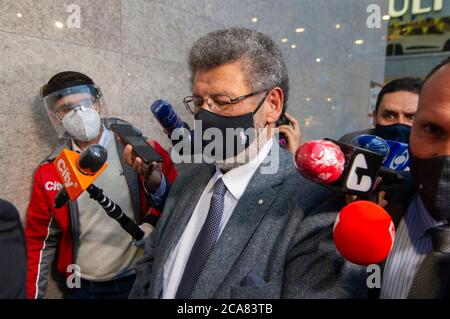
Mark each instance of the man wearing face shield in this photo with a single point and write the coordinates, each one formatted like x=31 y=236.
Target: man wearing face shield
x=86 y=241
x=419 y=264
x=241 y=224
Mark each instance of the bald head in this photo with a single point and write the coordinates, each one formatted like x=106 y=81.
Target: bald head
x=430 y=134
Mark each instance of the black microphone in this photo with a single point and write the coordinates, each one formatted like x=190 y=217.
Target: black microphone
x=78 y=171
x=114 y=211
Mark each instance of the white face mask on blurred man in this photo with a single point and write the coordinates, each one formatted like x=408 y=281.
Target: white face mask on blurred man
x=82 y=124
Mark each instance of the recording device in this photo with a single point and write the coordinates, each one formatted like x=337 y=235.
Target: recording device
x=364 y=233
x=342 y=167
x=174 y=127
x=78 y=171
x=130 y=135
x=396 y=154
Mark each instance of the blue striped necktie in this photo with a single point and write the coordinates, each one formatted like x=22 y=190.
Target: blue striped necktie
x=204 y=244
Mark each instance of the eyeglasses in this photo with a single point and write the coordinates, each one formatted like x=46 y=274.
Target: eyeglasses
x=63 y=109
x=221 y=101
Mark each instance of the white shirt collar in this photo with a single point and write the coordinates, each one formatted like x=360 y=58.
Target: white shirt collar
x=104 y=140
x=237 y=179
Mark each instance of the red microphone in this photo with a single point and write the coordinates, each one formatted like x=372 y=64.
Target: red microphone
x=320 y=161
x=364 y=233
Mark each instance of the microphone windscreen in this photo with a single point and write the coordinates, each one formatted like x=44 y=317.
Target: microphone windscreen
x=364 y=233
x=166 y=116
x=320 y=161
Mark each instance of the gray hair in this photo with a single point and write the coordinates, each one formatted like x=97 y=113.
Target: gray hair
x=262 y=60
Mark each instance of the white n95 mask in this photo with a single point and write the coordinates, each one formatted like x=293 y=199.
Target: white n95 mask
x=82 y=124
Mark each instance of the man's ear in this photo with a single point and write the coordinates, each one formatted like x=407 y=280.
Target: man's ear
x=276 y=101
x=374 y=118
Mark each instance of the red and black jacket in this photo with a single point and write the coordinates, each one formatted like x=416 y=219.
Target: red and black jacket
x=54 y=232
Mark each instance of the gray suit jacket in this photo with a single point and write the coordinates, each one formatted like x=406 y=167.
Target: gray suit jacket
x=281 y=248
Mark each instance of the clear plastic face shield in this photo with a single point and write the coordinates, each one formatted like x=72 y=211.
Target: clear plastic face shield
x=77 y=111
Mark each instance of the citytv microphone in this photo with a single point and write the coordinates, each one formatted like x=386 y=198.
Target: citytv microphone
x=364 y=233
x=341 y=167
x=396 y=154
x=174 y=127
x=78 y=171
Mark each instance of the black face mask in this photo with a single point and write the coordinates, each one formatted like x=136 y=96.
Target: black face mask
x=395 y=132
x=243 y=127
x=432 y=180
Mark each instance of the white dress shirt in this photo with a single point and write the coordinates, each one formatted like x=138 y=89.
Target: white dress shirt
x=236 y=181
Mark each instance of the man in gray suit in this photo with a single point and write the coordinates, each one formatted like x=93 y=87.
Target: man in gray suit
x=238 y=227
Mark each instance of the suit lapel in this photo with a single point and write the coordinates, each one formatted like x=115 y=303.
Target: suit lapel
x=181 y=214
x=250 y=210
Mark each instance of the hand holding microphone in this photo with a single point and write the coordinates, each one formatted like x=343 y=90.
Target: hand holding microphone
x=78 y=172
x=342 y=167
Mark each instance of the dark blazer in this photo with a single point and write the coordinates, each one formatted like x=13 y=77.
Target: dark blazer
x=13 y=259
x=277 y=243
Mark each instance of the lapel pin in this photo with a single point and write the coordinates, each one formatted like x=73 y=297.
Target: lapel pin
x=260 y=201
